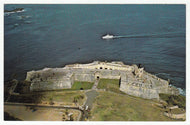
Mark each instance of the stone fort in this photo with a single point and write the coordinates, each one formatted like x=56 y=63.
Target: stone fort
x=134 y=80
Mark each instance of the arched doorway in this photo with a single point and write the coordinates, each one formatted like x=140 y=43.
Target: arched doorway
x=97 y=77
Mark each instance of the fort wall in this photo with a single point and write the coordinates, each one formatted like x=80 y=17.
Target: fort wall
x=84 y=77
x=139 y=91
x=102 y=65
x=133 y=80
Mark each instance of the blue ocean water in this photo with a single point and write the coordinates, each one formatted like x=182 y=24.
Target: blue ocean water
x=55 y=35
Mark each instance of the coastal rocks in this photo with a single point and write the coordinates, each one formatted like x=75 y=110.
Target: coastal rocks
x=175 y=116
x=14 y=10
x=19 y=19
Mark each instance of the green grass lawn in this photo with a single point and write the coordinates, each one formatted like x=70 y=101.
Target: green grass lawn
x=113 y=107
x=63 y=96
x=84 y=85
x=57 y=96
x=109 y=84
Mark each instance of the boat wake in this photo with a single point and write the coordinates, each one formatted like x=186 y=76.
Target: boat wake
x=161 y=35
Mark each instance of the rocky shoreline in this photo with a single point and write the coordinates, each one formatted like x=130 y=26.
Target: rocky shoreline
x=14 y=10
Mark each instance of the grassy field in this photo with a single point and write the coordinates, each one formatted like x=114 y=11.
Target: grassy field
x=81 y=85
x=63 y=95
x=66 y=97
x=109 y=84
x=113 y=107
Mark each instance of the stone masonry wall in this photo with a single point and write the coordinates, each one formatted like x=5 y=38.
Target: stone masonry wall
x=139 y=91
x=84 y=77
x=51 y=85
x=50 y=79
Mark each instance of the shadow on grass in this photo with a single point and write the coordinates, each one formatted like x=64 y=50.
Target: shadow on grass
x=8 y=117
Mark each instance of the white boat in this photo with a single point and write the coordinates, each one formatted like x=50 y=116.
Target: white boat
x=108 y=36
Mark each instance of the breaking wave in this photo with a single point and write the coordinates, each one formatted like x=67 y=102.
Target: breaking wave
x=181 y=91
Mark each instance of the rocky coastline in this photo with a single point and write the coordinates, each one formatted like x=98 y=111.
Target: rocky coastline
x=14 y=10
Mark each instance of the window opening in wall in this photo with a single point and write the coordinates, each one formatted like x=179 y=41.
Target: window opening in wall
x=106 y=68
x=100 y=67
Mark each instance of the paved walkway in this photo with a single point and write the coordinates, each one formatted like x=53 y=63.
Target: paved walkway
x=95 y=84
x=91 y=95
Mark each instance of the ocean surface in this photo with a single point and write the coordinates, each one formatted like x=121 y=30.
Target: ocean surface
x=56 y=35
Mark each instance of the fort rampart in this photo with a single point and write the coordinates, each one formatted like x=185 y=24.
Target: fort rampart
x=133 y=80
